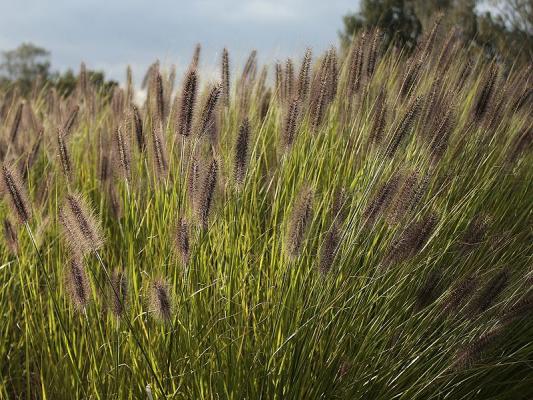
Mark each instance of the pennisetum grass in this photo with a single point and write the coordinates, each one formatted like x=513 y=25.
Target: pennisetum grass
x=427 y=142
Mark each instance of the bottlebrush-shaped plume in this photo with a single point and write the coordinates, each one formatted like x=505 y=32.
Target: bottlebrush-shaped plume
x=381 y=200
x=208 y=112
x=188 y=103
x=404 y=127
x=485 y=93
x=522 y=309
x=64 y=156
x=291 y=124
x=159 y=151
x=379 y=117
x=77 y=283
x=355 y=72
x=288 y=80
x=196 y=56
x=160 y=300
x=182 y=244
x=241 y=151
x=489 y=293
x=328 y=250
x=118 y=293
x=138 y=128
x=404 y=200
x=475 y=233
x=303 y=77
x=12 y=189
x=412 y=240
x=299 y=221
x=80 y=227
x=475 y=350
x=373 y=53
x=15 y=125
x=460 y=294
x=225 y=77
x=122 y=152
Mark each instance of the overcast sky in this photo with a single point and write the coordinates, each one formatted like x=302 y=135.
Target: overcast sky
x=110 y=34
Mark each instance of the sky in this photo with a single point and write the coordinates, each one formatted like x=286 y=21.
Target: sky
x=110 y=34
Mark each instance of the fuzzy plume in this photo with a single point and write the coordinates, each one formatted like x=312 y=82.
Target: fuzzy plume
x=475 y=233
x=291 y=123
x=441 y=136
x=241 y=151
x=118 y=292
x=373 y=53
x=381 y=200
x=280 y=92
x=182 y=245
x=159 y=97
x=412 y=239
x=188 y=102
x=355 y=72
x=288 y=80
x=195 y=62
x=405 y=198
x=159 y=151
x=303 y=77
x=460 y=294
x=404 y=127
x=160 y=300
x=522 y=309
x=208 y=112
x=411 y=77
x=299 y=222
x=485 y=93
x=138 y=128
x=379 y=117
x=328 y=249
x=122 y=149
x=225 y=77
x=77 y=283
x=11 y=237
x=206 y=194
x=81 y=229
x=265 y=104
x=474 y=351
x=64 y=156
x=11 y=186
x=15 y=125
x=489 y=293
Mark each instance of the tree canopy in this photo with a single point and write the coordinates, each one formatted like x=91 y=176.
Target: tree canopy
x=502 y=28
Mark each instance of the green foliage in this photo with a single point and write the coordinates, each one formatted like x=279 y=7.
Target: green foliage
x=25 y=64
x=397 y=290
x=29 y=65
x=500 y=27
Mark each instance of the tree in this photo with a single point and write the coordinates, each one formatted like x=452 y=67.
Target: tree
x=28 y=63
x=396 y=18
x=25 y=64
x=502 y=28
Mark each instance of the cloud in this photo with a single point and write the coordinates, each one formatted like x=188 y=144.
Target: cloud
x=111 y=34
